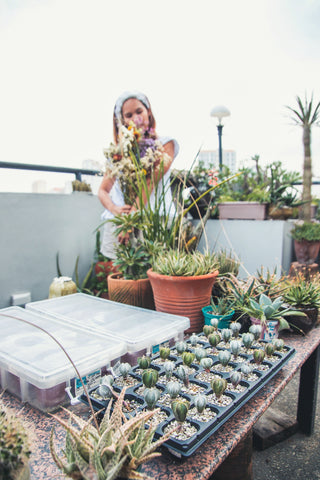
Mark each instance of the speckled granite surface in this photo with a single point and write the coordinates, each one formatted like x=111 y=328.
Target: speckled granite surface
x=208 y=457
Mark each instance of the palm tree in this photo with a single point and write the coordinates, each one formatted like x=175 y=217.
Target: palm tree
x=306 y=117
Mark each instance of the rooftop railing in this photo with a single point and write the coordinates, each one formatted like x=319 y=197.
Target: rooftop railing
x=49 y=168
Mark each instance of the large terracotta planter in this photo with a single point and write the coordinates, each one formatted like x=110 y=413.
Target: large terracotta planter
x=184 y=296
x=306 y=251
x=131 y=292
x=242 y=211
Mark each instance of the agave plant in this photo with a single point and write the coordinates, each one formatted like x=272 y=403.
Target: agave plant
x=116 y=448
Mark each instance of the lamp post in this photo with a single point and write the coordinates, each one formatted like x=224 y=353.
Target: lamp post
x=219 y=112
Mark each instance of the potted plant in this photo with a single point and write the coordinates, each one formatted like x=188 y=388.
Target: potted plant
x=306 y=236
x=220 y=308
x=284 y=196
x=270 y=314
x=182 y=283
x=14 y=446
x=303 y=295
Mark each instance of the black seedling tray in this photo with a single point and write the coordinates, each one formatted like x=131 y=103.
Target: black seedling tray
x=185 y=448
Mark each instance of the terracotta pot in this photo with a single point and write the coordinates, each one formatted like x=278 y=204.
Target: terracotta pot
x=105 y=267
x=303 y=324
x=131 y=292
x=185 y=296
x=306 y=251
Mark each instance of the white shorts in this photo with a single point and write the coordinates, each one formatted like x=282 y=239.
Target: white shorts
x=109 y=241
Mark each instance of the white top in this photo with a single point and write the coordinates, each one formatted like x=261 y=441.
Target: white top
x=118 y=198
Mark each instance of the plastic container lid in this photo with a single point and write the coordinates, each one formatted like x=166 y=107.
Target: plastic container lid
x=33 y=355
x=138 y=327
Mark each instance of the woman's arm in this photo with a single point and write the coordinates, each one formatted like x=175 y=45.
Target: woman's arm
x=104 y=197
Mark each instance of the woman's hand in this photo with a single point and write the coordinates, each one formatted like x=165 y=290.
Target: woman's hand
x=120 y=210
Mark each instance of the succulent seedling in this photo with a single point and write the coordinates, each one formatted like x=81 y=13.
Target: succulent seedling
x=247 y=340
x=219 y=386
x=214 y=339
x=224 y=357
x=187 y=358
x=164 y=353
x=258 y=356
x=235 y=348
x=256 y=331
x=181 y=347
x=246 y=369
x=144 y=362
x=278 y=344
x=173 y=389
x=149 y=377
x=206 y=363
x=180 y=410
x=199 y=353
x=168 y=367
x=124 y=369
x=269 y=349
x=226 y=334
x=235 y=378
x=194 y=340
x=214 y=323
x=200 y=402
x=208 y=329
x=183 y=374
x=151 y=396
x=235 y=329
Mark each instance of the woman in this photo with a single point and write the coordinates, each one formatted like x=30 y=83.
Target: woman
x=131 y=107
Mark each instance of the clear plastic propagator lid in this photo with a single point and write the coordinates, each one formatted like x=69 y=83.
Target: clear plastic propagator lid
x=138 y=327
x=33 y=355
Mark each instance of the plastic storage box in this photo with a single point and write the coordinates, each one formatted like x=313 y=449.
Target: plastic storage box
x=139 y=328
x=34 y=367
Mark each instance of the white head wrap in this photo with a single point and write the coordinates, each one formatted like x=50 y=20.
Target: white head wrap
x=124 y=97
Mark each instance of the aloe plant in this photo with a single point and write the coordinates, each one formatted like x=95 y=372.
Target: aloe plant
x=179 y=263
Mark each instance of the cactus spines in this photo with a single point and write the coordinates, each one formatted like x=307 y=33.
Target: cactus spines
x=214 y=339
x=168 y=367
x=235 y=347
x=124 y=369
x=226 y=334
x=200 y=353
x=180 y=410
x=200 y=402
x=173 y=389
x=206 y=363
x=235 y=378
x=187 y=358
x=151 y=396
x=224 y=357
x=144 y=362
x=235 y=328
x=181 y=347
x=256 y=331
x=164 y=353
x=258 y=356
x=219 y=386
x=214 y=323
x=208 y=329
x=149 y=377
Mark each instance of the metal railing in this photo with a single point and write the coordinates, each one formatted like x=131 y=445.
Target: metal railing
x=48 y=168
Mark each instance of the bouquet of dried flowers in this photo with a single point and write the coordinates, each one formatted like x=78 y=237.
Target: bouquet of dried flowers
x=134 y=159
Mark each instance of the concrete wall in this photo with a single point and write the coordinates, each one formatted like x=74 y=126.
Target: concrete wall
x=34 y=227
x=256 y=243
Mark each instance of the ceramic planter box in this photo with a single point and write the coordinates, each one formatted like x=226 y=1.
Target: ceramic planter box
x=218 y=411
x=242 y=211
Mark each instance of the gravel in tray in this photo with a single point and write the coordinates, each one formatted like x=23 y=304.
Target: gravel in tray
x=207 y=415
x=220 y=368
x=126 y=382
x=205 y=376
x=184 y=432
x=223 y=401
x=238 y=389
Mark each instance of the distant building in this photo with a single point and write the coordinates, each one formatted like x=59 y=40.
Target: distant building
x=211 y=157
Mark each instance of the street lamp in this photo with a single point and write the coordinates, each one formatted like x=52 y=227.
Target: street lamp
x=219 y=112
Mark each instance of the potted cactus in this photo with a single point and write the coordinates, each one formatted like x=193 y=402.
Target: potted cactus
x=306 y=236
x=222 y=309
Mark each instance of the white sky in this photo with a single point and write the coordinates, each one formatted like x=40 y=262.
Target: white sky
x=64 y=62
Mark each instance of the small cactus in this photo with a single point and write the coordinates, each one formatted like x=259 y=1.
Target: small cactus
x=104 y=391
x=187 y=358
x=168 y=367
x=219 y=386
x=173 y=389
x=164 y=353
x=247 y=340
x=269 y=349
x=206 y=363
x=200 y=402
x=214 y=339
x=180 y=410
x=235 y=347
x=278 y=344
x=258 y=356
x=144 y=362
x=208 y=329
x=194 y=340
x=151 y=396
x=150 y=377
x=235 y=328
x=224 y=357
x=246 y=369
x=226 y=334
x=183 y=374
x=200 y=353
x=235 y=378
x=181 y=347
x=214 y=323
x=256 y=331
x=124 y=369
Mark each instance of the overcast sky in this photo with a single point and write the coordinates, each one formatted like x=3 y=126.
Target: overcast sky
x=64 y=63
